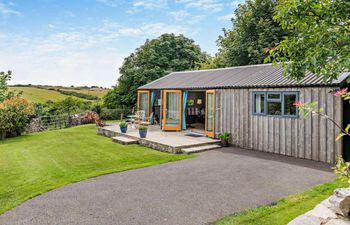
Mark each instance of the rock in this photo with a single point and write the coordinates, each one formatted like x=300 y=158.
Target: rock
x=340 y=201
x=322 y=212
x=306 y=220
x=338 y=222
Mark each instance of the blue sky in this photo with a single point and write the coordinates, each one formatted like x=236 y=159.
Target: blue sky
x=84 y=42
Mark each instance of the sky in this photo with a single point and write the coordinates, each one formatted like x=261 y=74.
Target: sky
x=84 y=42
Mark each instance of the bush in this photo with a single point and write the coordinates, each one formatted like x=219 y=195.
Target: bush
x=112 y=114
x=15 y=115
x=79 y=95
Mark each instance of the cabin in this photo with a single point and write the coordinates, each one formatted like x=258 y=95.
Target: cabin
x=255 y=104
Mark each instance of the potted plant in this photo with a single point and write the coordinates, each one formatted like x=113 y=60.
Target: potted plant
x=224 y=138
x=123 y=126
x=143 y=131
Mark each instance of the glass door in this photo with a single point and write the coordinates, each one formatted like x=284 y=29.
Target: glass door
x=143 y=102
x=210 y=113
x=172 y=110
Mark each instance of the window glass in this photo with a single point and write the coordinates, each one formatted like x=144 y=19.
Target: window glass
x=274 y=108
x=289 y=107
x=274 y=96
x=259 y=103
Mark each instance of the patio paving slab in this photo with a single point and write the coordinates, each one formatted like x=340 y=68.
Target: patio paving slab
x=189 y=192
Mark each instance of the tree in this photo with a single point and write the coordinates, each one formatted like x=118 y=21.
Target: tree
x=154 y=59
x=4 y=92
x=253 y=31
x=322 y=41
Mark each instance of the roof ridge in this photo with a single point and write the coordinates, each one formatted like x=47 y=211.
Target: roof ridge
x=226 y=68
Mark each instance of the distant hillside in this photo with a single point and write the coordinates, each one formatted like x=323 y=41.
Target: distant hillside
x=41 y=94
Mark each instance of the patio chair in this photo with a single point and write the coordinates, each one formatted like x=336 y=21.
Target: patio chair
x=141 y=119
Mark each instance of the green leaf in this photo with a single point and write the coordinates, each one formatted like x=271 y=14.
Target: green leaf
x=340 y=136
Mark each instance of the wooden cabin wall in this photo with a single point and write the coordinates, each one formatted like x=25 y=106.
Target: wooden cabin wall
x=311 y=138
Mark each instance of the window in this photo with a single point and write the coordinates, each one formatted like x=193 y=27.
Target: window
x=259 y=103
x=279 y=104
x=274 y=104
x=289 y=108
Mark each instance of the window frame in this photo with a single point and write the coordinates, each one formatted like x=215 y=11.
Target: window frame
x=281 y=100
x=253 y=100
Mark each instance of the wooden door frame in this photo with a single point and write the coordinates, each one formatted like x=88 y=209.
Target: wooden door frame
x=210 y=133
x=164 y=126
x=139 y=92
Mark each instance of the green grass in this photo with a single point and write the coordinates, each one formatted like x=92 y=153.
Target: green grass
x=42 y=95
x=39 y=95
x=285 y=209
x=33 y=164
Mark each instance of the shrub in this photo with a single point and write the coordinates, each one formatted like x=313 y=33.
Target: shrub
x=111 y=114
x=89 y=117
x=15 y=115
x=123 y=124
x=78 y=94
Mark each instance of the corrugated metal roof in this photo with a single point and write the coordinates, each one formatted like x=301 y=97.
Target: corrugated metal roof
x=253 y=76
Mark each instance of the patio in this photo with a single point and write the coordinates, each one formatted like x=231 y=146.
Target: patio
x=174 y=142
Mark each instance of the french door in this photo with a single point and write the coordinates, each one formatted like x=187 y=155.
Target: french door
x=143 y=100
x=210 y=113
x=172 y=110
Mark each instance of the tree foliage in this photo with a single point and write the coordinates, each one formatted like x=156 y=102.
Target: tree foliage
x=322 y=41
x=154 y=59
x=253 y=31
x=4 y=92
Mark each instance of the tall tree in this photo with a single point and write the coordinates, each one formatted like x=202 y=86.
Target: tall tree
x=322 y=43
x=253 y=31
x=154 y=59
x=4 y=92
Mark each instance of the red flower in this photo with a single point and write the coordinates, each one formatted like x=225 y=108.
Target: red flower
x=341 y=92
x=298 y=103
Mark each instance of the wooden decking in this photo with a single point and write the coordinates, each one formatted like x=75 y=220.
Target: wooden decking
x=174 y=142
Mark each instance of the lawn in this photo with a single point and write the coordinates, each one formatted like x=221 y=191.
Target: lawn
x=33 y=164
x=284 y=210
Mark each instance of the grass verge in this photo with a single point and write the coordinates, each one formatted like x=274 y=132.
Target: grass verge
x=33 y=164
x=285 y=209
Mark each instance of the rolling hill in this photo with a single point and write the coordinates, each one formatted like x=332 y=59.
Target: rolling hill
x=41 y=94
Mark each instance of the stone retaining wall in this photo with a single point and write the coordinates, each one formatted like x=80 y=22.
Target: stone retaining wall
x=335 y=210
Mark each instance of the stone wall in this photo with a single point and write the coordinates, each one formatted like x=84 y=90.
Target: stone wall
x=335 y=210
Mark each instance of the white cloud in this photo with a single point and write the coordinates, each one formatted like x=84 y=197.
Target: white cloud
x=150 y=4
x=179 y=15
x=152 y=30
x=226 y=17
x=7 y=11
x=112 y=3
x=209 y=5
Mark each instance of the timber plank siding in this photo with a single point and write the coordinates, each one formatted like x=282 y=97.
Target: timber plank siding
x=311 y=138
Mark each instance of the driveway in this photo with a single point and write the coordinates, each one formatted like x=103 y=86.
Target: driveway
x=190 y=192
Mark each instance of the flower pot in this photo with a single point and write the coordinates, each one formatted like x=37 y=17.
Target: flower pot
x=224 y=143
x=143 y=133
x=123 y=129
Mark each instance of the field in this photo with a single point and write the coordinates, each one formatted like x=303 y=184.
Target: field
x=41 y=94
x=33 y=164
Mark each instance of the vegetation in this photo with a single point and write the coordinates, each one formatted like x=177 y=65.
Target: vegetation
x=321 y=44
x=154 y=59
x=42 y=94
x=285 y=209
x=4 y=90
x=33 y=164
x=15 y=115
x=253 y=31
x=78 y=94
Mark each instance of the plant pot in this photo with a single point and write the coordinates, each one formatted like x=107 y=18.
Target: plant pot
x=123 y=129
x=143 y=133
x=224 y=143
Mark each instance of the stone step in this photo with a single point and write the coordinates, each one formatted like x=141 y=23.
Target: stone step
x=124 y=140
x=200 y=148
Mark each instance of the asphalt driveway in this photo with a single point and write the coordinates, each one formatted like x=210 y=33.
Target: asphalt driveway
x=190 y=192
